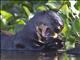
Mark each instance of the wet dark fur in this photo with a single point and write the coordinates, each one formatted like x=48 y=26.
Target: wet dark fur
x=26 y=39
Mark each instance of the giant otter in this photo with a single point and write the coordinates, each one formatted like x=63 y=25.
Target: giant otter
x=40 y=33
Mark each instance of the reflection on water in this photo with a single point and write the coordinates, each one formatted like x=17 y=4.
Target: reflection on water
x=20 y=55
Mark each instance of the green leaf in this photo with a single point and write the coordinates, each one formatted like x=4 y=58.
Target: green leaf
x=6 y=14
x=2 y=25
x=27 y=11
x=54 y=5
x=41 y=8
x=65 y=30
x=3 y=20
x=77 y=25
x=71 y=39
x=20 y=21
x=77 y=5
x=65 y=9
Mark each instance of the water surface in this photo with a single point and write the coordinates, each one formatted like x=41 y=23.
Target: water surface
x=23 y=55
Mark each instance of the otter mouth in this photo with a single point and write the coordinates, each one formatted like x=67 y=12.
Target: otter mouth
x=45 y=32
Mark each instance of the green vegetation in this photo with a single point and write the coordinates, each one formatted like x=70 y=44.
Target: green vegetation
x=14 y=14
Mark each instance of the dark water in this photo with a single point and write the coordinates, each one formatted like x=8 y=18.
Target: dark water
x=23 y=55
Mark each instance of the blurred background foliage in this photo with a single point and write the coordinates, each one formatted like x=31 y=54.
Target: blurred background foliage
x=14 y=14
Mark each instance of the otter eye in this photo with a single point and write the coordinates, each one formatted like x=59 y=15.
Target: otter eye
x=57 y=30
